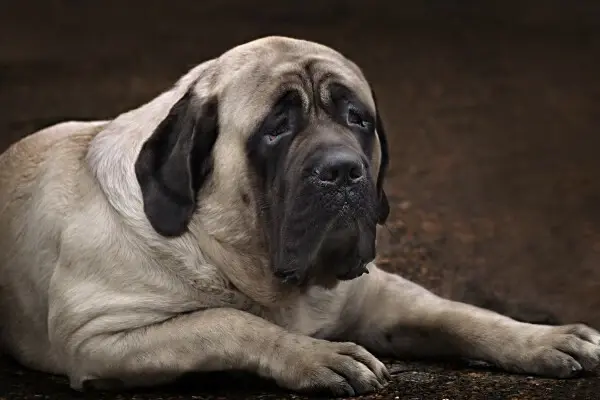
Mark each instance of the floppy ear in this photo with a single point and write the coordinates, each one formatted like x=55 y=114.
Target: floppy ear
x=384 y=207
x=175 y=161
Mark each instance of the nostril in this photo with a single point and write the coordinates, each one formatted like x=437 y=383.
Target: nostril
x=329 y=174
x=355 y=172
x=340 y=171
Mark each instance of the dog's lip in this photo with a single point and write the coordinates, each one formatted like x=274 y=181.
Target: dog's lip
x=294 y=278
x=359 y=270
x=291 y=277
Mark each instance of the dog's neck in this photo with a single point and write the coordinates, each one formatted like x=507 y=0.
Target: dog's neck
x=229 y=238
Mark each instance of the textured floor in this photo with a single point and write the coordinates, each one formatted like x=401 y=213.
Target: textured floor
x=412 y=381
x=494 y=134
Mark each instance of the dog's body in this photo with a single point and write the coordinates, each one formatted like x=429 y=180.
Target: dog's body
x=165 y=241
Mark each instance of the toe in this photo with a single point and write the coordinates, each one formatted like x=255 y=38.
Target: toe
x=332 y=382
x=585 y=352
x=358 y=375
x=556 y=364
x=583 y=331
x=376 y=366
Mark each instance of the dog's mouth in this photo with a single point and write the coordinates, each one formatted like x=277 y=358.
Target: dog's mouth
x=327 y=250
x=326 y=270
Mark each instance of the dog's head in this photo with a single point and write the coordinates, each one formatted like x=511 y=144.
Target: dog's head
x=286 y=131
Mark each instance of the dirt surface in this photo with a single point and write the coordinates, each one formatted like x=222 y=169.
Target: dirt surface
x=412 y=381
x=493 y=116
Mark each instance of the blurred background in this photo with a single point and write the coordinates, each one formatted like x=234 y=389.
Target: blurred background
x=492 y=108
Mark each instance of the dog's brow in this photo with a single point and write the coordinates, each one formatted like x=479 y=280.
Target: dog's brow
x=294 y=80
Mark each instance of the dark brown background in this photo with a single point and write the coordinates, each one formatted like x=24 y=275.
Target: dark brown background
x=493 y=113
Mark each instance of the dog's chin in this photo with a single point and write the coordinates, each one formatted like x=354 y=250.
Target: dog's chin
x=322 y=244
x=335 y=264
x=328 y=280
x=343 y=255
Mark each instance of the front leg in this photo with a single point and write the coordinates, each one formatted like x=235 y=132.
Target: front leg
x=217 y=340
x=399 y=318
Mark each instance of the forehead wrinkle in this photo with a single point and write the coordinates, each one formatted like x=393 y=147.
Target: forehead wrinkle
x=255 y=79
x=294 y=78
x=327 y=71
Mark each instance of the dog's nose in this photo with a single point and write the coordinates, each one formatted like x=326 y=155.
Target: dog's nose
x=340 y=168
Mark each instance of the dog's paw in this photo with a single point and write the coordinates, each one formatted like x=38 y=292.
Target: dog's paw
x=555 y=351
x=311 y=365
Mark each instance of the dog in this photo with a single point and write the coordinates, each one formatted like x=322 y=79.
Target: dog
x=230 y=224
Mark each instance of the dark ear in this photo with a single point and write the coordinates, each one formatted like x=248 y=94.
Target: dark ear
x=384 y=207
x=175 y=161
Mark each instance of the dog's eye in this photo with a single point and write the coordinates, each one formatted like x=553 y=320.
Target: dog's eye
x=354 y=118
x=282 y=126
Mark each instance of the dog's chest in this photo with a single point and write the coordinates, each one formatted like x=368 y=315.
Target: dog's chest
x=316 y=314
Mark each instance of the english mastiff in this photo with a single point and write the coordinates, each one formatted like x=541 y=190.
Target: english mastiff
x=230 y=224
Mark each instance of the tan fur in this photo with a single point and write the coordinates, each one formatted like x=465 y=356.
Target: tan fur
x=90 y=290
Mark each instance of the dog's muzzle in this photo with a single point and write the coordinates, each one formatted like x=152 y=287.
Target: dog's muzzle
x=330 y=230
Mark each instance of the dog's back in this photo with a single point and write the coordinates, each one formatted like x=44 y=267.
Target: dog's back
x=38 y=170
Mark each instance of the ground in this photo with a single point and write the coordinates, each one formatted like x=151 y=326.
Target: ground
x=493 y=117
x=412 y=381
